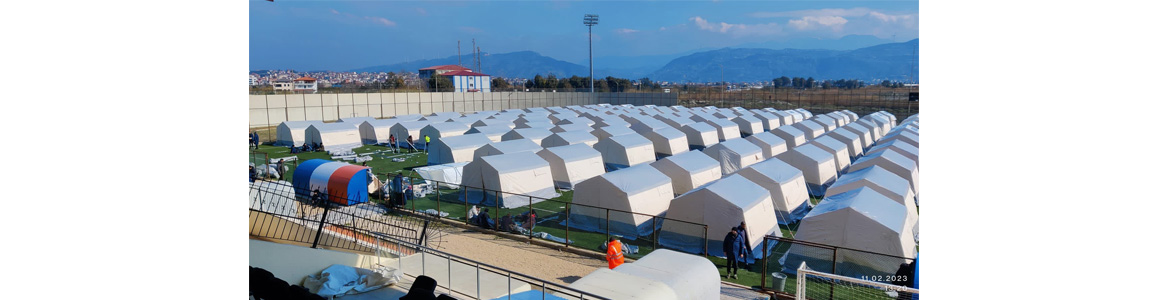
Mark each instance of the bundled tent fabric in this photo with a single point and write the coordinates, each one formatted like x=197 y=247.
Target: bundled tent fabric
x=461 y=148
x=893 y=162
x=506 y=147
x=811 y=129
x=344 y=183
x=572 y=127
x=839 y=150
x=735 y=154
x=624 y=151
x=689 y=170
x=786 y=185
x=639 y=189
x=607 y=131
x=615 y=285
x=700 y=135
x=859 y=219
x=881 y=181
x=334 y=137
x=492 y=132
x=568 y=138
x=447 y=175
x=818 y=166
x=900 y=147
x=444 y=129
x=667 y=140
x=770 y=143
x=861 y=132
x=536 y=135
x=571 y=164
x=516 y=175
x=292 y=133
x=850 y=139
x=691 y=277
x=720 y=205
x=792 y=136
x=748 y=125
x=727 y=129
x=376 y=131
x=404 y=130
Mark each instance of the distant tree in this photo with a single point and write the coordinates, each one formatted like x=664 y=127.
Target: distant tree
x=886 y=83
x=538 y=82
x=785 y=81
x=809 y=83
x=798 y=82
x=440 y=84
x=826 y=84
x=500 y=83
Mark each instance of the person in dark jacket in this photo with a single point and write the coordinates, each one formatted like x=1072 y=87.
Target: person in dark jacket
x=396 y=191
x=747 y=243
x=733 y=249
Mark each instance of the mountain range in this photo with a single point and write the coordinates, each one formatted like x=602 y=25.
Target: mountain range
x=873 y=63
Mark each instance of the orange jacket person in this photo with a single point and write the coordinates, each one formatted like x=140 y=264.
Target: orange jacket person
x=613 y=253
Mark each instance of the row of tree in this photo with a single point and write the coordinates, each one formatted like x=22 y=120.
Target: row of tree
x=808 y=83
x=609 y=84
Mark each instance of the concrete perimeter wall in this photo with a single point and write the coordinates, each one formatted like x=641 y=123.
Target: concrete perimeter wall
x=270 y=110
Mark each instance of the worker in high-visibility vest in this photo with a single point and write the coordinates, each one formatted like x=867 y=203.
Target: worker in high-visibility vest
x=613 y=253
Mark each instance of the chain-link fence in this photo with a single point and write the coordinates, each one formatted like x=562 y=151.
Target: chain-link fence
x=783 y=261
x=818 y=101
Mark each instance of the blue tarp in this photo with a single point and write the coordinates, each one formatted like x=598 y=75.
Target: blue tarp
x=530 y=295
x=302 y=175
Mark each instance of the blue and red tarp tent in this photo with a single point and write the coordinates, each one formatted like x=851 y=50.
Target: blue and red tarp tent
x=344 y=183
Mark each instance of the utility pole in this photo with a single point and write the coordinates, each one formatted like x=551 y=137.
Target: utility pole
x=590 y=20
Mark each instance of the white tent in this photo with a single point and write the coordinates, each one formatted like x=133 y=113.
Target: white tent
x=893 y=162
x=829 y=123
x=850 y=139
x=536 y=135
x=576 y=120
x=642 y=123
x=407 y=117
x=689 y=170
x=735 y=154
x=770 y=143
x=786 y=118
x=838 y=149
x=768 y=120
x=545 y=125
x=874 y=130
x=786 y=185
x=444 y=129
x=334 y=137
x=904 y=135
x=446 y=175
x=403 y=130
x=492 y=132
x=608 y=131
x=572 y=164
x=861 y=132
x=691 y=277
x=455 y=148
x=517 y=175
x=532 y=119
x=721 y=205
x=881 y=181
x=571 y=127
x=700 y=135
x=796 y=115
x=792 y=136
x=614 y=285
x=674 y=121
x=811 y=129
x=727 y=129
x=900 y=147
x=807 y=114
x=880 y=120
x=569 y=138
x=639 y=189
x=376 y=131
x=624 y=151
x=355 y=121
x=667 y=140
x=610 y=121
x=505 y=147
x=818 y=166
x=859 y=219
x=292 y=133
x=748 y=125
x=445 y=115
x=494 y=122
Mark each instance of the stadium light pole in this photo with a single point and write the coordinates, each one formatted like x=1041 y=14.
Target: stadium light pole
x=590 y=20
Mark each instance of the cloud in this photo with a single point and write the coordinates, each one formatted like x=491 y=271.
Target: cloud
x=890 y=18
x=382 y=21
x=469 y=29
x=828 y=12
x=663 y=28
x=334 y=11
x=810 y=22
x=627 y=30
x=421 y=11
x=737 y=29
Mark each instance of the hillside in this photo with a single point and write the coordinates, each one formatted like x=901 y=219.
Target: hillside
x=886 y=61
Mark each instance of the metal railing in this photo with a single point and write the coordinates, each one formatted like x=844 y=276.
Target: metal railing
x=583 y=226
x=783 y=261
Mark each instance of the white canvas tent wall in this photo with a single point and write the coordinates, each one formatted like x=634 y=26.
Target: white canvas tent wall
x=536 y=135
x=859 y=219
x=667 y=140
x=771 y=144
x=446 y=175
x=881 y=181
x=785 y=184
x=492 y=132
x=456 y=148
x=850 y=139
x=610 y=121
x=748 y=125
x=639 y=189
x=893 y=162
x=811 y=129
x=517 y=175
x=840 y=118
x=615 y=285
x=624 y=151
x=334 y=137
x=839 y=150
x=792 y=136
x=720 y=205
x=571 y=164
x=700 y=135
x=292 y=133
x=796 y=116
x=880 y=120
x=608 y=131
x=673 y=121
x=531 y=119
x=734 y=154
x=376 y=131
x=691 y=277
x=818 y=166
x=900 y=147
x=689 y=170
x=403 y=130
x=505 y=147
x=727 y=129
x=444 y=129
x=569 y=138
x=861 y=132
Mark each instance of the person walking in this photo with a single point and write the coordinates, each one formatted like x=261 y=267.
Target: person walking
x=613 y=253
x=747 y=243
x=410 y=142
x=732 y=248
x=256 y=140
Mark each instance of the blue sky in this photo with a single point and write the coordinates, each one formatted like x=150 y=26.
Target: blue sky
x=342 y=35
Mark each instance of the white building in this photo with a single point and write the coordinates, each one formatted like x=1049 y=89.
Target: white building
x=468 y=81
x=305 y=85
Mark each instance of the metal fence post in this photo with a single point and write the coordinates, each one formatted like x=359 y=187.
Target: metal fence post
x=531 y=211
x=568 y=208
x=831 y=285
x=438 y=206
x=607 y=234
x=654 y=231
x=465 y=205
x=705 y=240
x=321 y=225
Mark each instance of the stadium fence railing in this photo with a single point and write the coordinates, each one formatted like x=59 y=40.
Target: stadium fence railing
x=788 y=255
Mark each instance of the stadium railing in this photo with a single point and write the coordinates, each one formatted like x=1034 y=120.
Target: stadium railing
x=788 y=255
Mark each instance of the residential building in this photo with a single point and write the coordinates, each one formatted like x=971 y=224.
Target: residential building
x=305 y=85
x=426 y=73
x=282 y=84
x=468 y=81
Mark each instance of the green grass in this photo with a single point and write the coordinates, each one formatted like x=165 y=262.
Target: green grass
x=381 y=164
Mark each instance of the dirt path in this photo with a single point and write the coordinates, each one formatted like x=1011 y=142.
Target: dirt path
x=533 y=260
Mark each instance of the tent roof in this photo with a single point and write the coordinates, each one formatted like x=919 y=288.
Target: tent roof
x=299 y=124
x=513 y=162
x=776 y=170
x=472 y=140
x=513 y=146
x=575 y=136
x=693 y=160
x=636 y=179
x=701 y=127
x=736 y=190
x=630 y=140
x=740 y=146
x=490 y=129
x=449 y=126
x=867 y=202
x=876 y=175
x=413 y=125
x=574 y=152
x=889 y=155
x=531 y=132
x=621 y=286
x=333 y=127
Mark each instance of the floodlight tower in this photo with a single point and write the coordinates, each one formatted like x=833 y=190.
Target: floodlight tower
x=590 y=20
